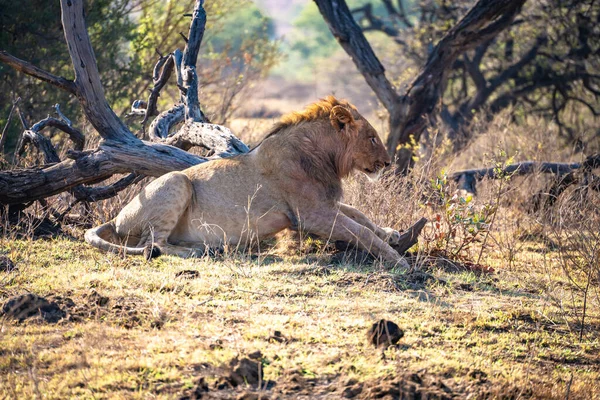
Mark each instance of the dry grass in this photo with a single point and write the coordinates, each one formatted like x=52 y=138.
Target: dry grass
x=137 y=329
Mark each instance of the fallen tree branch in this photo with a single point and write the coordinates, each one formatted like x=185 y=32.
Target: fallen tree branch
x=40 y=142
x=160 y=127
x=468 y=179
x=75 y=134
x=96 y=193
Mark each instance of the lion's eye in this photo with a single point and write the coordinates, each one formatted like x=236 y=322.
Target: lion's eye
x=373 y=140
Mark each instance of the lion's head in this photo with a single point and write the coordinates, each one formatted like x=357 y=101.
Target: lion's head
x=366 y=149
x=328 y=139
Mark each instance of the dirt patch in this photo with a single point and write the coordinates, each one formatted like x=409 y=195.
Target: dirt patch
x=29 y=306
x=242 y=379
x=411 y=386
x=246 y=371
x=421 y=385
x=128 y=312
x=188 y=274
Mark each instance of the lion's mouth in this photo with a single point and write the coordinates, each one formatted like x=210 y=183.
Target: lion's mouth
x=372 y=174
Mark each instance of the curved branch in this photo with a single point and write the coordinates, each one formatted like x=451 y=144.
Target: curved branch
x=75 y=134
x=210 y=136
x=159 y=128
x=162 y=72
x=30 y=69
x=97 y=193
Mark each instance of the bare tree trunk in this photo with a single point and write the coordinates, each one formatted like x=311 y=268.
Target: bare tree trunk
x=409 y=112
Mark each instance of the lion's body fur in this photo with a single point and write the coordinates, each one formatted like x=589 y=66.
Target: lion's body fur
x=290 y=180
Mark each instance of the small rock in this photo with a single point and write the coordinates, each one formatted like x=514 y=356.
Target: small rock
x=385 y=333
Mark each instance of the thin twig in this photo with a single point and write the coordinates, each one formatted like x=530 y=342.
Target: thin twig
x=4 y=130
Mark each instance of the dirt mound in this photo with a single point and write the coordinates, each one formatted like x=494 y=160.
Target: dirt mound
x=384 y=333
x=246 y=371
x=187 y=274
x=30 y=305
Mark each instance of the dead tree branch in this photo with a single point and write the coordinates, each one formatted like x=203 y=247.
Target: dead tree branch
x=120 y=151
x=410 y=237
x=32 y=70
x=468 y=179
x=162 y=72
x=96 y=193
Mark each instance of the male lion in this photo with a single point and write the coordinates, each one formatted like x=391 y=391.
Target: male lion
x=292 y=179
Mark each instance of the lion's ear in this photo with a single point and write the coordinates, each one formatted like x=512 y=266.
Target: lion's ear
x=340 y=116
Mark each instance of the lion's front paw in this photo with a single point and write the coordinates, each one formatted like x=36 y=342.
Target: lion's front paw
x=392 y=236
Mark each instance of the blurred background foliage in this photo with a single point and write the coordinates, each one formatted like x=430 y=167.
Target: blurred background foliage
x=546 y=64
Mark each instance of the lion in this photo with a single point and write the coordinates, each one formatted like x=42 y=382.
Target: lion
x=291 y=180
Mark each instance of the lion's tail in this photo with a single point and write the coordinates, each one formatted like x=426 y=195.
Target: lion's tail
x=96 y=237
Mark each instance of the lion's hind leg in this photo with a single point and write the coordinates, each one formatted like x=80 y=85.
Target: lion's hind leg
x=155 y=213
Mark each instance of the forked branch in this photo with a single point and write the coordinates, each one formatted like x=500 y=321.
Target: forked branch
x=120 y=151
